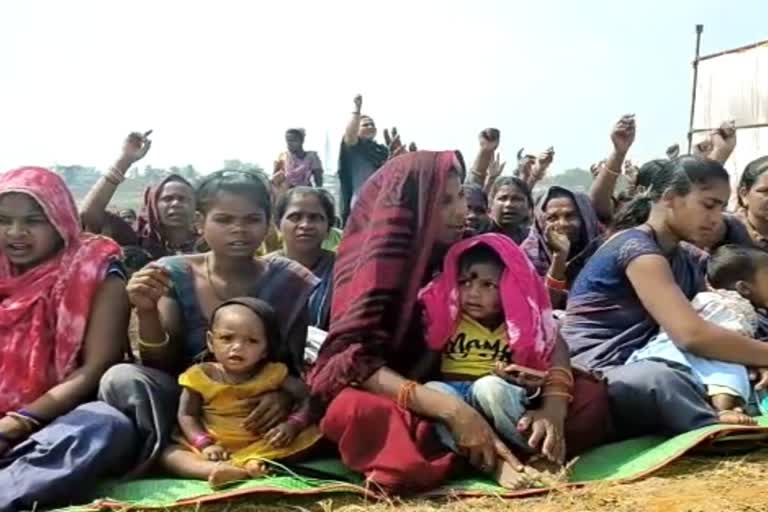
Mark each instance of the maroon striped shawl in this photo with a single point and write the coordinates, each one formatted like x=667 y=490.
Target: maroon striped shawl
x=380 y=267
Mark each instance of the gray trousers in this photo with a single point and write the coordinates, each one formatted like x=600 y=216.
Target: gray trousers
x=150 y=398
x=651 y=397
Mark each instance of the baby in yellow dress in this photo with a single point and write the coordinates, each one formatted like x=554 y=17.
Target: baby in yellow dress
x=216 y=399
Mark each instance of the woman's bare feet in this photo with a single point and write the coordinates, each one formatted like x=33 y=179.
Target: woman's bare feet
x=548 y=473
x=225 y=474
x=256 y=468
x=736 y=417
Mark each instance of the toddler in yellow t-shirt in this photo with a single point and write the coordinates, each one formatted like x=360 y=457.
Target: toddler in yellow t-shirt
x=479 y=346
x=488 y=321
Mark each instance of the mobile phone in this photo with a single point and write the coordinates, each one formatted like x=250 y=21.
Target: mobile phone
x=524 y=371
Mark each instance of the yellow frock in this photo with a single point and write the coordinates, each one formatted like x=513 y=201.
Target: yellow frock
x=226 y=406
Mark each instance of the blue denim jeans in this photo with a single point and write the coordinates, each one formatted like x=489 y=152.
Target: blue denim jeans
x=501 y=403
x=61 y=461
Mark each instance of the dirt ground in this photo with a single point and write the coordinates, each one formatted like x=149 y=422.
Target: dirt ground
x=695 y=484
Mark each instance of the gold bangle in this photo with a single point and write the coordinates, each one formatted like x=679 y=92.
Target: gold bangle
x=557 y=393
x=568 y=374
x=160 y=344
x=114 y=176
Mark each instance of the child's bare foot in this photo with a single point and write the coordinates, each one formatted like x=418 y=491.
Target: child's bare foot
x=256 y=469
x=736 y=417
x=225 y=474
x=510 y=478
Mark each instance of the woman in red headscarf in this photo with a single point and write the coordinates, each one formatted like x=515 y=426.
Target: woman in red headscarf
x=63 y=322
x=407 y=215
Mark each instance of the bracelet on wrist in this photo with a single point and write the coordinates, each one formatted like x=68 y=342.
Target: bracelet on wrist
x=556 y=284
x=405 y=394
x=202 y=441
x=33 y=417
x=28 y=424
x=559 y=373
x=114 y=176
x=158 y=344
x=110 y=180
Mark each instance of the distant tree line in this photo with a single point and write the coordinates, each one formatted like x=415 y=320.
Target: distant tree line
x=80 y=179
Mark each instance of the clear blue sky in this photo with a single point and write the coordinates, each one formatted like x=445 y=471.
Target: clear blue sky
x=223 y=80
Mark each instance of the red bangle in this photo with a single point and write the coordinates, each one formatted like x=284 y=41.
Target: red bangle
x=556 y=283
x=202 y=441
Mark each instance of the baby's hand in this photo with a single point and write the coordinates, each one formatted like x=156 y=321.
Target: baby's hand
x=282 y=434
x=215 y=453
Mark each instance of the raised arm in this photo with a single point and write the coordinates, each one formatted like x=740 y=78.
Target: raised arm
x=540 y=166
x=352 y=132
x=489 y=143
x=495 y=169
x=655 y=286
x=723 y=142
x=96 y=201
x=105 y=340
x=317 y=170
x=603 y=186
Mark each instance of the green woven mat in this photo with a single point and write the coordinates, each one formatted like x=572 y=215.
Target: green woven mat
x=619 y=462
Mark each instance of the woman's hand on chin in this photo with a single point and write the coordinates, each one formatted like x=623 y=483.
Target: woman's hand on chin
x=477 y=440
x=546 y=427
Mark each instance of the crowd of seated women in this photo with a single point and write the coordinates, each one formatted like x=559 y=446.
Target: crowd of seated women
x=466 y=320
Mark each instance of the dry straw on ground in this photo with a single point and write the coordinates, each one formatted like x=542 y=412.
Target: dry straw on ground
x=694 y=484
